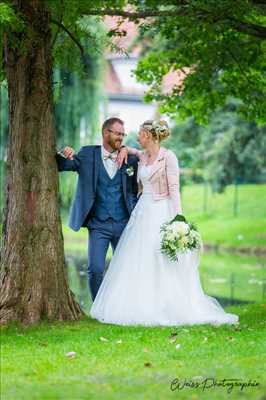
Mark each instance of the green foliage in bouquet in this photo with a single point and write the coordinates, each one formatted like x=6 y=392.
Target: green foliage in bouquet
x=179 y=235
x=179 y=217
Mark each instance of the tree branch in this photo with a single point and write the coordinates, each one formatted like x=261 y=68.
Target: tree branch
x=239 y=66
x=137 y=14
x=60 y=25
x=84 y=57
x=248 y=28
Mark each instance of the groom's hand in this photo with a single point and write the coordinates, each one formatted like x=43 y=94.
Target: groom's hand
x=122 y=156
x=69 y=152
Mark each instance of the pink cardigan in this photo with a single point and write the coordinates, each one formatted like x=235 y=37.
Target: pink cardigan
x=164 y=176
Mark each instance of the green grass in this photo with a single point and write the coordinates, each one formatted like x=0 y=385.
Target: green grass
x=35 y=366
x=218 y=224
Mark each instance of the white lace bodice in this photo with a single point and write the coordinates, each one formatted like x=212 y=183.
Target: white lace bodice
x=144 y=173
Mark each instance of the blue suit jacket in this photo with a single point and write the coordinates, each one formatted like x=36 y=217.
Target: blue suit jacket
x=86 y=163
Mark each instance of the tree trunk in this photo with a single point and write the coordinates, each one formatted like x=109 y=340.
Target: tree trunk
x=33 y=276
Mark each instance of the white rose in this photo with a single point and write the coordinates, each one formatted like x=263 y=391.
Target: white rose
x=181 y=227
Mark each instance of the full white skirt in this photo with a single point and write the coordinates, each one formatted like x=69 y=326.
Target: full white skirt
x=143 y=287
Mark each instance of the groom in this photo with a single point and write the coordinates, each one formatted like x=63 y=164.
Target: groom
x=105 y=195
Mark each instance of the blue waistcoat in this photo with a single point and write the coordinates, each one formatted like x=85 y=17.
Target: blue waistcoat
x=109 y=202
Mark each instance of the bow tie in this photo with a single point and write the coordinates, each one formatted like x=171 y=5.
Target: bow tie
x=112 y=156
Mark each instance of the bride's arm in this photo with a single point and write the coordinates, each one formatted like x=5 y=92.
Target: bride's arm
x=135 y=152
x=123 y=153
x=172 y=171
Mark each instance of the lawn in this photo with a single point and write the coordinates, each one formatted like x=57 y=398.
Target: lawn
x=113 y=362
x=217 y=223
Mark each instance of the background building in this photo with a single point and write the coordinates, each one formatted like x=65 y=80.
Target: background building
x=123 y=95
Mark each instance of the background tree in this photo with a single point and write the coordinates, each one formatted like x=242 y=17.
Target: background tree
x=228 y=150
x=234 y=149
x=223 y=43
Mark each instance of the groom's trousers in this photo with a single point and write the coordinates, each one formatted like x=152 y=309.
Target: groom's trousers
x=101 y=234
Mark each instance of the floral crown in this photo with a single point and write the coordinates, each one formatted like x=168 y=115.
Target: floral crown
x=159 y=127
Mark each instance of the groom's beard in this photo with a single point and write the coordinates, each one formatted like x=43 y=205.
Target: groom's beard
x=115 y=143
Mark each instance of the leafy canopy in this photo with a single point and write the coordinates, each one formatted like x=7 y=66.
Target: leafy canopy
x=222 y=43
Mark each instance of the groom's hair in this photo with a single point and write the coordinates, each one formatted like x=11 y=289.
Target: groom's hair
x=110 y=121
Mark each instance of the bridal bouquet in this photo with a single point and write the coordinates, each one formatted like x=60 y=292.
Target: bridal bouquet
x=179 y=235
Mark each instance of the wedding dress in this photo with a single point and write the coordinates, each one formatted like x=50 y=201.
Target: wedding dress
x=142 y=286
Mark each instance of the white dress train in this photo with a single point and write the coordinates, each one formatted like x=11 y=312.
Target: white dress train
x=142 y=286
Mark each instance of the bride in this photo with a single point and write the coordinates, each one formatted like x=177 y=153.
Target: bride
x=142 y=286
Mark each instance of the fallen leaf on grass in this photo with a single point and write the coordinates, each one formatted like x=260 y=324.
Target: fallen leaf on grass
x=178 y=346
x=172 y=340
x=147 y=364
x=71 y=354
x=145 y=350
x=173 y=337
x=173 y=334
x=103 y=339
x=179 y=364
x=44 y=344
x=237 y=329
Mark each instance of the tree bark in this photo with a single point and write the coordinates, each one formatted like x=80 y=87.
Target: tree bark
x=33 y=276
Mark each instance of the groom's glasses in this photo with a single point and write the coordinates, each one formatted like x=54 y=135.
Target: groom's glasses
x=122 y=134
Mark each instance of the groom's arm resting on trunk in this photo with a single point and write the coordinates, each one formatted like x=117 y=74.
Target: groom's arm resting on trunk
x=70 y=161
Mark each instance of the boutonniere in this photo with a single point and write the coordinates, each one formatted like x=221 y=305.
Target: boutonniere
x=130 y=171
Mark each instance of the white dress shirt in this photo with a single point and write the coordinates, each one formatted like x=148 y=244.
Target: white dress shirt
x=109 y=164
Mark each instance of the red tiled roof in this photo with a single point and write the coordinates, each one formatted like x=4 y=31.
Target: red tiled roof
x=174 y=78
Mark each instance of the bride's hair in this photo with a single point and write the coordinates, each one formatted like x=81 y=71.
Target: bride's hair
x=159 y=129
